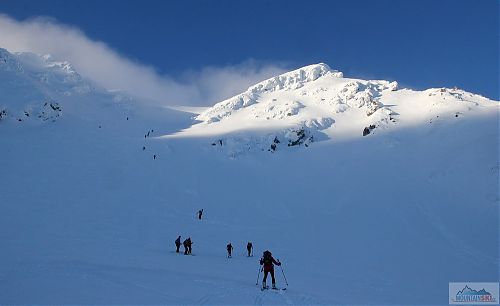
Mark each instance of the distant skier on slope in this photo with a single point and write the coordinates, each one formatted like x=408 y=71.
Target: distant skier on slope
x=178 y=244
x=268 y=261
x=249 y=248
x=229 y=250
x=200 y=213
x=187 y=246
x=190 y=243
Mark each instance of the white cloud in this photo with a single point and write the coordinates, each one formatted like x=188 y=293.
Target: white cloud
x=109 y=69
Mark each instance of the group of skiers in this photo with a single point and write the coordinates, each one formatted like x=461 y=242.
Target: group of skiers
x=186 y=243
x=229 y=248
x=146 y=136
x=267 y=260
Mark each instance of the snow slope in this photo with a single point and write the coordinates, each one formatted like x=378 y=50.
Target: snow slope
x=88 y=216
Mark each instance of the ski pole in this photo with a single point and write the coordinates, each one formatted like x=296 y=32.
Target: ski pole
x=258 y=276
x=284 y=275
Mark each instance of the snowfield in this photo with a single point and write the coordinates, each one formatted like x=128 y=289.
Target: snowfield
x=92 y=198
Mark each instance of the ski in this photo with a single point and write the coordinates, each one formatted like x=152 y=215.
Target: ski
x=275 y=289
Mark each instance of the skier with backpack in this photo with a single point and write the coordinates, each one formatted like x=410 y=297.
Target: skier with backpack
x=178 y=244
x=229 y=250
x=249 y=248
x=268 y=262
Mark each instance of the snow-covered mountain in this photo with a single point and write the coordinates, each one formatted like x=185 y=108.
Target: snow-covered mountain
x=32 y=85
x=35 y=89
x=317 y=103
x=94 y=193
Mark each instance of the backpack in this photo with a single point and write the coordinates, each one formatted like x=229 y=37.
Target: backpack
x=267 y=258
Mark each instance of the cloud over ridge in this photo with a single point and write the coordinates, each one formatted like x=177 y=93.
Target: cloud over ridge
x=106 y=67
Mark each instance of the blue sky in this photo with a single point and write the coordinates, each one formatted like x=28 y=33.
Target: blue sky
x=420 y=44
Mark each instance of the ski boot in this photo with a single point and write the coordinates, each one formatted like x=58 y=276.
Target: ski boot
x=274 y=286
x=264 y=285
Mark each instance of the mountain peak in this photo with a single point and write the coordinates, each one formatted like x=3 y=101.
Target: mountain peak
x=288 y=81
x=35 y=86
x=296 y=78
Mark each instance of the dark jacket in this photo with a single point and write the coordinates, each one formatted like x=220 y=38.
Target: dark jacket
x=268 y=260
